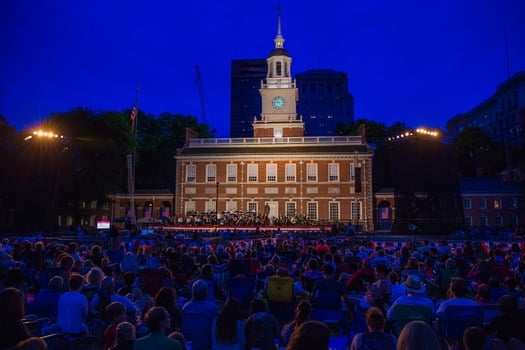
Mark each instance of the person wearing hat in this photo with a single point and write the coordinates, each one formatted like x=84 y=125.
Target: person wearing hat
x=415 y=295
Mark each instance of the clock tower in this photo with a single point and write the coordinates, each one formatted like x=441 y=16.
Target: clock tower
x=279 y=95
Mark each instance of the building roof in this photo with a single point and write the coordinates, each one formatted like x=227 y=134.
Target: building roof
x=279 y=52
x=487 y=186
x=276 y=150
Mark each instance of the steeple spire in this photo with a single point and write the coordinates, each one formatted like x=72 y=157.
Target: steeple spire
x=279 y=40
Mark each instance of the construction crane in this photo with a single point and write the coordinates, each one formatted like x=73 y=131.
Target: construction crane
x=200 y=90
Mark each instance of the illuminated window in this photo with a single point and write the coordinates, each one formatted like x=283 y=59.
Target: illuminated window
x=252 y=172
x=291 y=209
x=497 y=203
x=191 y=172
x=209 y=206
x=311 y=172
x=252 y=207
x=333 y=211
x=356 y=211
x=211 y=172
x=271 y=172
x=231 y=206
x=290 y=172
x=352 y=171
x=231 y=172
x=311 y=210
x=333 y=172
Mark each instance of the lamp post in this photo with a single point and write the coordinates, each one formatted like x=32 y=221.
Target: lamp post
x=50 y=189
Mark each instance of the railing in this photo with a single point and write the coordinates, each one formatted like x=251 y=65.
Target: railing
x=276 y=140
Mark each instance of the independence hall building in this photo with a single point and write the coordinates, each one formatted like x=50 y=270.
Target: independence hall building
x=278 y=172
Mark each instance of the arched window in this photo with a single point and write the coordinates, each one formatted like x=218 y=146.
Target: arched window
x=279 y=68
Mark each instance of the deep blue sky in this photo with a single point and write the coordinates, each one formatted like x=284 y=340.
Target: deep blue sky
x=420 y=62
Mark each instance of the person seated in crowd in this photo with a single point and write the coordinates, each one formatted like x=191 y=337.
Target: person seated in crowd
x=157 y=320
x=396 y=289
x=261 y=327
x=198 y=315
x=167 y=298
x=445 y=275
x=474 y=338
x=310 y=335
x=124 y=336
x=72 y=309
x=328 y=293
x=483 y=295
x=380 y=258
x=376 y=337
x=129 y=284
x=378 y=292
x=115 y=313
x=364 y=274
x=93 y=279
x=419 y=335
x=303 y=312
x=415 y=295
x=180 y=337
x=107 y=295
x=510 y=323
x=228 y=331
x=457 y=294
x=45 y=303
x=12 y=329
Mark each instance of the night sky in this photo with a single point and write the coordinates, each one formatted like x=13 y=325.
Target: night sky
x=420 y=62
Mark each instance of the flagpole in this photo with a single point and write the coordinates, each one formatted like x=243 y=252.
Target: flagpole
x=131 y=159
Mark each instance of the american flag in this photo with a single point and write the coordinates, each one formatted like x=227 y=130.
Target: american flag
x=133 y=118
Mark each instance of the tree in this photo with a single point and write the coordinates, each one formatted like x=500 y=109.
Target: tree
x=157 y=142
x=474 y=149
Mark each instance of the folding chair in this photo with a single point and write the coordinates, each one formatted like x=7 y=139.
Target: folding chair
x=458 y=318
x=404 y=313
x=280 y=297
x=242 y=289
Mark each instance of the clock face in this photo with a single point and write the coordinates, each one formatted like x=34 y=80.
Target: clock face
x=278 y=102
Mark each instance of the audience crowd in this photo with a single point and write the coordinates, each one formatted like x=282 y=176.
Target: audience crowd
x=282 y=291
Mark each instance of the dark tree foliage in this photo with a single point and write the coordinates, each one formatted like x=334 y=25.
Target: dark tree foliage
x=377 y=136
x=474 y=149
x=47 y=176
x=158 y=139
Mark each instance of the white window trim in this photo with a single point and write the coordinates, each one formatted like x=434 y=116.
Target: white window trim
x=191 y=173
x=311 y=172
x=333 y=172
x=211 y=172
x=271 y=172
x=252 y=173
x=290 y=171
x=231 y=173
